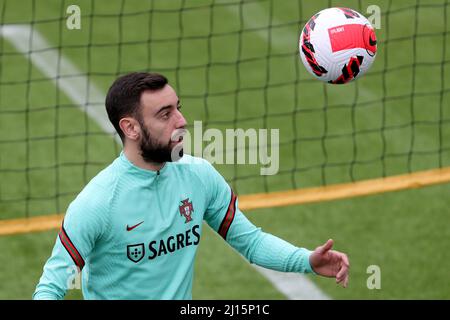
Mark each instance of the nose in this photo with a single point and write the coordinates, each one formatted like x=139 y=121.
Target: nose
x=181 y=121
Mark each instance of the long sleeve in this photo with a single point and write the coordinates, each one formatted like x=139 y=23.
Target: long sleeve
x=258 y=247
x=83 y=225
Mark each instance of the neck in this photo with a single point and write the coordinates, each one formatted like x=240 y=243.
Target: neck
x=132 y=153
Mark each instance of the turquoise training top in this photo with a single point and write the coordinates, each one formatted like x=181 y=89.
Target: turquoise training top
x=134 y=233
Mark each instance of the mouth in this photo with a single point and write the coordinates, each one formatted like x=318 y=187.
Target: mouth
x=177 y=136
x=176 y=141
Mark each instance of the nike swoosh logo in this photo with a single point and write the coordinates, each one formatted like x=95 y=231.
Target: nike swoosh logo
x=372 y=42
x=132 y=227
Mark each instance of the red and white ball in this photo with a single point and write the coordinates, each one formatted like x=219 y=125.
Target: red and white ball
x=338 y=45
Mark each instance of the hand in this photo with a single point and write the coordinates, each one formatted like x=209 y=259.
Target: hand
x=330 y=263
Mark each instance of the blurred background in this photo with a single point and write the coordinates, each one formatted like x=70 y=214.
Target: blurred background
x=235 y=64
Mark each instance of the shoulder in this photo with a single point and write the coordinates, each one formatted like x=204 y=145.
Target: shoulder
x=89 y=212
x=97 y=193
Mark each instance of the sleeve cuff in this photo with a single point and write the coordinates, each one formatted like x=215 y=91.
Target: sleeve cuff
x=43 y=296
x=308 y=267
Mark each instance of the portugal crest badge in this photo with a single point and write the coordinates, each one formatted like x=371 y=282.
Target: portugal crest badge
x=186 y=209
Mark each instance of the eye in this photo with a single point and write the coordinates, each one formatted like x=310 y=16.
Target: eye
x=165 y=115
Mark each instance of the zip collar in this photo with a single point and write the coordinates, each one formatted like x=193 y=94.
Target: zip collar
x=146 y=173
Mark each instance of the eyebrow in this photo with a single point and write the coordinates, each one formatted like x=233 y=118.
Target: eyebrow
x=166 y=107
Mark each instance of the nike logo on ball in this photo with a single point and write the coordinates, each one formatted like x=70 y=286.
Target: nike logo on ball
x=132 y=227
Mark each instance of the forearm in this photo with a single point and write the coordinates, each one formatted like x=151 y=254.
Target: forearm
x=265 y=249
x=48 y=290
x=274 y=253
x=57 y=271
x=45 y=294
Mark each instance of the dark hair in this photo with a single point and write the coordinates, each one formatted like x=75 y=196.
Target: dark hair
x=124 y=95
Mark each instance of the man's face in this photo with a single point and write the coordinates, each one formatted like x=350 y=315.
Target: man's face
x=159 y=119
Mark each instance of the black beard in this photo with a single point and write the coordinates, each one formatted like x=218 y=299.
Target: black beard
x=152 y=152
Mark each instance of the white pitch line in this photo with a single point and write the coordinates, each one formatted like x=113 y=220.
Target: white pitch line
x=67 y=76
x=292 y=285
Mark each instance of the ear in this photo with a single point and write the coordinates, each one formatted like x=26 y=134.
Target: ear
x=130 y=128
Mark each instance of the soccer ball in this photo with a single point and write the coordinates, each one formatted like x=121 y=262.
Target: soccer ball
x=337 y=45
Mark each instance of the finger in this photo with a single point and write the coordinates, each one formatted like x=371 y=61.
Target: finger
x=346 y=281
x=326 y=247
x=343 y=271
x=345 y=260
x=341 y=274
x=343 y=281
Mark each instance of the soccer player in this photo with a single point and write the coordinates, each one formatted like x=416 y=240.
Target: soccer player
x=135 y=227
